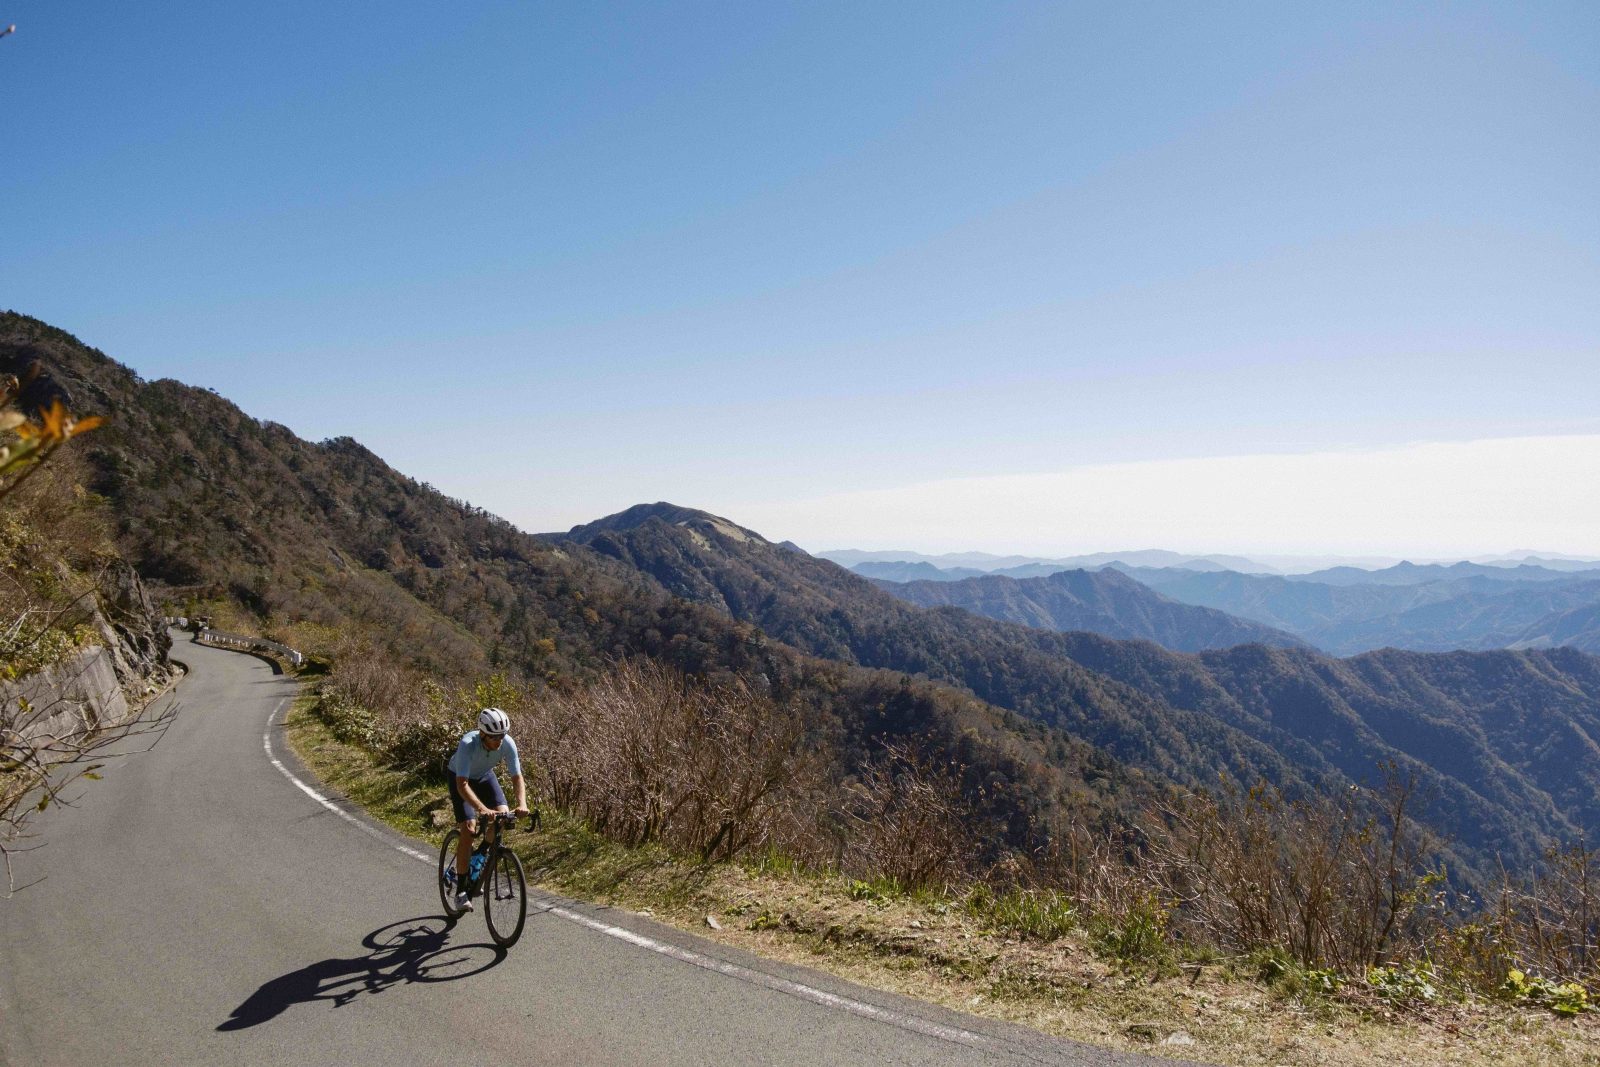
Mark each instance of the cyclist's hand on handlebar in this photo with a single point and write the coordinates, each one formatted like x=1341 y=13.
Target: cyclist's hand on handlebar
x=523 y=810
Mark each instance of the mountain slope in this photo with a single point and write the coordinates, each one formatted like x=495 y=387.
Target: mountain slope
x=1295 y=717
x=1104 y=602
x=1577 y=628
x=213 y=505
x=823 y=609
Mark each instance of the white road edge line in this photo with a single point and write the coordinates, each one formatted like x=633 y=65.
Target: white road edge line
x=266 y=743
x=731 y=970
x=782 y=985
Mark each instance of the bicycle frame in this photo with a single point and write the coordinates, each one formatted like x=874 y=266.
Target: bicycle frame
x=490 y=838
x=500 y=882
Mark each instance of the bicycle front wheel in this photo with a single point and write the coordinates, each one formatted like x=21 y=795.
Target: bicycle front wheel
x=505 y=899
x=447 y=862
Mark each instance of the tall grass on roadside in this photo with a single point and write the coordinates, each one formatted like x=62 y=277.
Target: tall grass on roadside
x=1042 y=914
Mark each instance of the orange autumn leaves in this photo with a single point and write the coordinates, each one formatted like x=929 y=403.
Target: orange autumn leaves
x=35 y=438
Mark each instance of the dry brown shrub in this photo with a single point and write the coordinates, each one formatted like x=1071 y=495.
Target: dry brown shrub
x=646 y=754
x=1346 y=883
x=1103 y=870
x=907 y=819
x=1548 y=923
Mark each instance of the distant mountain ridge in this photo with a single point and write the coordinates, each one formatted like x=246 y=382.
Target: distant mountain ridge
x=1104 y=602
x=892 y=571
x=1405 y=573
x=1334 y=570
x=1344 y=610
x=1478 y=610
x=1035 y=566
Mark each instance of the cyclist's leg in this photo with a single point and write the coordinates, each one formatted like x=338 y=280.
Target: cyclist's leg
x=468 y=828
x=467 y=823
x=489 y=791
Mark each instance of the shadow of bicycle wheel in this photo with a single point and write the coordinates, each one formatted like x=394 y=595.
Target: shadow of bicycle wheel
x=408 y=951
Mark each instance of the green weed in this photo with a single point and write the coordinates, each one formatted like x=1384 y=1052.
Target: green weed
x=1401 y=985
x=1044 y=914
x=1564 y=998
x=1137 y=938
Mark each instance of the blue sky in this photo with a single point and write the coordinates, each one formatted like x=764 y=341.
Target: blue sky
x=792 y=263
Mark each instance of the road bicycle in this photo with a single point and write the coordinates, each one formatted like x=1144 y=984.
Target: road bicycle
x=495 y=876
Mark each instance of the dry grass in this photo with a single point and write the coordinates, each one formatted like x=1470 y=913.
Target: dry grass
x=935 y=948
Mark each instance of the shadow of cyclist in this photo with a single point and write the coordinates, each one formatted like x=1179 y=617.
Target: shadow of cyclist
x=412 y=950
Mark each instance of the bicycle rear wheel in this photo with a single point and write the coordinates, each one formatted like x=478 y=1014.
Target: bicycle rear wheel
x=447 y=862
x=505 y=899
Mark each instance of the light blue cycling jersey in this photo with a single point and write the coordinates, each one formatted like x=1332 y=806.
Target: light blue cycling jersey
x=473 y=761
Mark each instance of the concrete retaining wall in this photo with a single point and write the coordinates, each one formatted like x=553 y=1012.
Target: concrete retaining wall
x=79 y=692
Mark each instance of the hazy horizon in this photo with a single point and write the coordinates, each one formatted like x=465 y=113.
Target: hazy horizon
x=1283 y=564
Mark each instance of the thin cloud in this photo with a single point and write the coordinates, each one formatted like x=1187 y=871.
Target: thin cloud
x=1430 y=499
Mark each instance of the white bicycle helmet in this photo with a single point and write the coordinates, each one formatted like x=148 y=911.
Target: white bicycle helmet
x=494 y=722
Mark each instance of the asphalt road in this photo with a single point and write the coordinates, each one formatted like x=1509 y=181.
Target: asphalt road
x=197 y=906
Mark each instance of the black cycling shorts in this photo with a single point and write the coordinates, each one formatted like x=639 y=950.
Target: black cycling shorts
x=488 y=790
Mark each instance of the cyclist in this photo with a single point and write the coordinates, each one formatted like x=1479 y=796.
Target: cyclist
x=475 y=791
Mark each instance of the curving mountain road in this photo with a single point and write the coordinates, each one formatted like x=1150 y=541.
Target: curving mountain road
x=198 y=906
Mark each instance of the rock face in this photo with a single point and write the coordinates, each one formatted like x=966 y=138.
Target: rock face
x=98 y=687
x=133 y=632
x=95 y=691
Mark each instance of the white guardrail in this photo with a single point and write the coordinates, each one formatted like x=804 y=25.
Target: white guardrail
x=206 y=635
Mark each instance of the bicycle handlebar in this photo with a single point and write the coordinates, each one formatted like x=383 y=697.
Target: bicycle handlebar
x=509 y=818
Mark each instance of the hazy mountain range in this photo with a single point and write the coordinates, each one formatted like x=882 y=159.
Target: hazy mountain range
x=1033 y=566
x=1474 y=611
x=1529 y=602
x=966 y=564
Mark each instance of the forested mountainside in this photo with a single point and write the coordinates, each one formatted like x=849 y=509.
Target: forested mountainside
x=1476 y=607
x=1503 y=742
x=212 y=505
x=1105 y=602
x=1520 y=617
